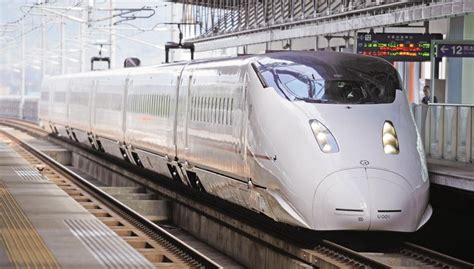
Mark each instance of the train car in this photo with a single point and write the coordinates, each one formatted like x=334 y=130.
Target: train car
x=11 y=106
x=319 y=140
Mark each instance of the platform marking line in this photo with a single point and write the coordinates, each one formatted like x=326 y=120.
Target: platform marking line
x=110 y=250
x=30 y=174
x=25 y=247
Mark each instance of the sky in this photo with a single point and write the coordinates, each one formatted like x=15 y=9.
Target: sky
x=146 y=44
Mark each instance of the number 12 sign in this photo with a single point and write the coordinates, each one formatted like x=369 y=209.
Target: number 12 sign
x=454 y=50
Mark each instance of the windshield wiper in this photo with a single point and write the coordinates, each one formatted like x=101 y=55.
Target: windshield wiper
x=366 y=102
x=310 y=100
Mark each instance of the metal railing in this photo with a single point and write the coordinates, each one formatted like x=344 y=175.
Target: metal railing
x=447 y=130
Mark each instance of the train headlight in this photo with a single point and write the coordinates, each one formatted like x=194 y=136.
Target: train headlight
x=326 y=141
x=390 y=139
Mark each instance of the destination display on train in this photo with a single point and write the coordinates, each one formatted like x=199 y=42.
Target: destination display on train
x=397 y=46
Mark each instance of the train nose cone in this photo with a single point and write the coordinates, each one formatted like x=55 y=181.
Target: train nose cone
x=365 y=199
x=393 y=205
x=341 y=201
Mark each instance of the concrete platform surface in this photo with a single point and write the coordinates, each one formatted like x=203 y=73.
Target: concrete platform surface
x=452 y=174
x=42 y=227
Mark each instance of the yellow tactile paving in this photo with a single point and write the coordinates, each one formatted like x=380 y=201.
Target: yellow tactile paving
x=24 y=246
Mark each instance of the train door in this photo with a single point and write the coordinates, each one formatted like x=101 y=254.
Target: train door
x=92 y=105
x=179 y=82
x=245 y=121
x=91 y=98
x=127 y=85
x=181 y=123
x=187 y=111
x=92 y=111
x=182 y=113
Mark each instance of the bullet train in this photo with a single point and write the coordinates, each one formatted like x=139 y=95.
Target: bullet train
x=320 y=140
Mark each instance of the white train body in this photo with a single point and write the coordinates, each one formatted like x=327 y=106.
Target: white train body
x=257 y=131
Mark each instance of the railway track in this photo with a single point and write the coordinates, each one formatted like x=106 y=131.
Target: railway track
x=402 y=255
x=155 y=243
x=319 y=253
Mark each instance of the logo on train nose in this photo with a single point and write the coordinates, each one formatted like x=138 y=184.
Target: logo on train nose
x=364 y=162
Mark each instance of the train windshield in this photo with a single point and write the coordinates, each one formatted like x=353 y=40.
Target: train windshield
x=331 y=78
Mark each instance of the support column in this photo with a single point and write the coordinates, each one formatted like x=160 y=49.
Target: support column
x=411 y=77
x=454 y=73
x=112 y=35
x=61 y=45
x=43 y=44
x=82 y=33
x=467 y=94
x=23 y=71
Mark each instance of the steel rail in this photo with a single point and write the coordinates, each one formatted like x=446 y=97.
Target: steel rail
x=354 y=255
x=176 y=245
x=428 y=255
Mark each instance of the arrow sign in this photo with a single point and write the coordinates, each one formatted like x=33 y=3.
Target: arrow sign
x=444 y=49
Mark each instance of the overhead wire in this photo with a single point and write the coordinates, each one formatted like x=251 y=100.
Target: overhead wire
x=28 y=12
x=41 y=24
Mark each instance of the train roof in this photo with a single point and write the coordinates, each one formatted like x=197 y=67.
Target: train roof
x=294 y=56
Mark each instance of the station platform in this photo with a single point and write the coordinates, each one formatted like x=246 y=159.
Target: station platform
x=451 y=174
x=42 y=227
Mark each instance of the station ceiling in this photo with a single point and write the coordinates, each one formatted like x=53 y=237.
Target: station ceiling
x=211 y=3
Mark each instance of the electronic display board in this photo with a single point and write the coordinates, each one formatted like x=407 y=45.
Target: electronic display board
x=397 y=46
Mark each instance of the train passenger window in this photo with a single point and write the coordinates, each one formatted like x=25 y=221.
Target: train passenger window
x=160 y=99
x=326 y=77
x=146 y=104
x=219 y=120
x=201 y=109
x=215 y=111
x=208 y=109
x=161 y=102
x=149 y=104
x=231 y=110
x=164 y=101
x=161 y=105
x=227 y=120
x=222 y=110
x=198 y=108
x=204 y=109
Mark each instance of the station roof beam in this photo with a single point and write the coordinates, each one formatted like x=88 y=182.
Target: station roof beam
x=238 y=23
